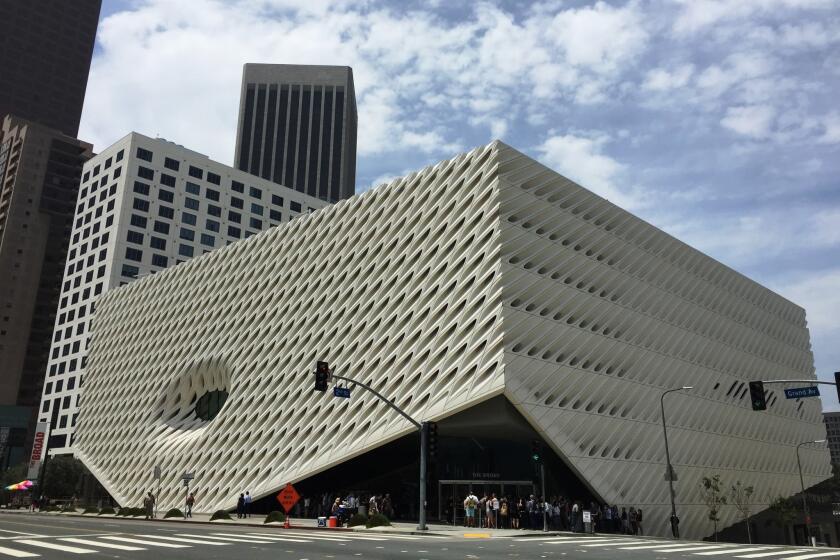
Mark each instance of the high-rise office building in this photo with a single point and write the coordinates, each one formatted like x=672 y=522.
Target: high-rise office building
x=45 y=52
x=144 y=205
x=297 y=127
x=832 y=429
x=40 y=170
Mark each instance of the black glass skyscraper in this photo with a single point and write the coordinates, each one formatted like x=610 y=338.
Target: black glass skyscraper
x=297 y=127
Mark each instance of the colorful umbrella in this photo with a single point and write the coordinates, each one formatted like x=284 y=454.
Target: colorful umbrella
x=24 y=485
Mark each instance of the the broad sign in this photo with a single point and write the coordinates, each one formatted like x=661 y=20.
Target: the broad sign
x=801 y=392
x=343 y=392
x=42 y=432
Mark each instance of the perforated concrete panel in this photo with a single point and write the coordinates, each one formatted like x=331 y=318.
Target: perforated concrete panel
x=482 y=275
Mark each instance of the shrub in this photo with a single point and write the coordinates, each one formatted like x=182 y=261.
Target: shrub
x=52 y=508
x=377 y=520
x=358 y=519
x=106 y=511
x=220 y=514
x=174 y=512
x=131 y=512
x=275 y=516
x=91 y=510
x=67 y=508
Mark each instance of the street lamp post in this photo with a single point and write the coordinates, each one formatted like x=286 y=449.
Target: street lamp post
x=675 y=528
x=802 y=483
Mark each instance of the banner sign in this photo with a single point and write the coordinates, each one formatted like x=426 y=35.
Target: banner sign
x=42 y=432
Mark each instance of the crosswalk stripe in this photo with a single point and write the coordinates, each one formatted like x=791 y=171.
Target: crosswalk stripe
x=150 y=543
x=735 y=550
x=617 y=543
x=279 y=538
x=815 y=555
x=342 y=535
x=100 y=544
x=17 y=553
x=533 y=539
x=774 y=553
x=184 y=540
x=695 y=548
x=54 y=546
x=294 y=535
x=659 y=546
x=229 y=539
x=576 y=540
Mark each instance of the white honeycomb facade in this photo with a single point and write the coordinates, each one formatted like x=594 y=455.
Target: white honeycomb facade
x=483 y=275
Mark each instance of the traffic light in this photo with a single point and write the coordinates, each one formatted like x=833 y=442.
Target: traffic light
x=536 y=450
x=431 y=440
x=322 y=376
x=757 y=395
x=837 y=383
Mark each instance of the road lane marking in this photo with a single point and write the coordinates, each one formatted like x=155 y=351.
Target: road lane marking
x=775 y=553
x=815 y=555
x=150 y=543
x=279 y=538
x=61 y=547
x=736 y=550
x=16 y=553
x=696 y=548
x=227 y=539
x=617 y=543
x=184 y=540
x=311 y=537
x=21 y=533
x=101 y=544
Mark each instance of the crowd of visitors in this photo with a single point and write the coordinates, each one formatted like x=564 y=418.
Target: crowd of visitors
x=558 y=513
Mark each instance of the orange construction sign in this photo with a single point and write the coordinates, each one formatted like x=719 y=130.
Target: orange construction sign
x=288 y=497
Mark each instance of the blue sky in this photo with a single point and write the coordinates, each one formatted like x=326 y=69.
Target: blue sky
x=716 y=121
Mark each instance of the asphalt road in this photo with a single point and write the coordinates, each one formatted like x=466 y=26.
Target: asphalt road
x=53 y=537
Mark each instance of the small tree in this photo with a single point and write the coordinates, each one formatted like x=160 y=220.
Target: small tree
x=62 y=477
x=784 y=512
x=713 y=498
x=740 y=496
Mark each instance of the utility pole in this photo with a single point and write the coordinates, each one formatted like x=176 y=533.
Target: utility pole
x=804 y=497
x=669 y=473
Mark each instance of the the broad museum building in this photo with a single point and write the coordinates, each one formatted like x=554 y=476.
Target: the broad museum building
x=486 y=293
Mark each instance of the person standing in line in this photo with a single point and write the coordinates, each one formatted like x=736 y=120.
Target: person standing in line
x=240 y=506
x=149 y=504
x=494 y=506
x=639 y=521
x=504 y=513
x=373 y=506
x=625 y=523
x=575 y=512
x=470 y=503
x=247 y=504
x=306 y=506
x=634 y=522
x=190 y=503
x=387 y=507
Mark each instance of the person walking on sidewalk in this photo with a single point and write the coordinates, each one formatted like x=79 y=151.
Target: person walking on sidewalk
x=247 y=504
x=190 y=502
x=149 y=504
x=240 y=506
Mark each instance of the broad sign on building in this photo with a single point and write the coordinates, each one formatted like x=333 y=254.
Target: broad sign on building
x=39 y=447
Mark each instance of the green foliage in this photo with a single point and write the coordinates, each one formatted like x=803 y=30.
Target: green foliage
x=784 y=510
x=63 y=476
x=357 y=519
x=174 y=512
x=67 y=508
x=220 y=514
x=133 y=512
x=377 y=520
x=740 y=496
x=91 y=510
x=275 y=516
x=713 y=498
x=107 y=511
x=52 y=508
x=13 y=475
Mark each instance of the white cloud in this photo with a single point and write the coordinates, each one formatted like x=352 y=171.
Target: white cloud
x=831 y=129
x=755 y=121
x=581 y=158
x=700 y=15
x=660 y=79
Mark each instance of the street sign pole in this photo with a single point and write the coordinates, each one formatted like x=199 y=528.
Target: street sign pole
x=421 y=526
x=544 y=495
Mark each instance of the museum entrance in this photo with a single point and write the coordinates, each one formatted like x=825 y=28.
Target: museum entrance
x=452 y=493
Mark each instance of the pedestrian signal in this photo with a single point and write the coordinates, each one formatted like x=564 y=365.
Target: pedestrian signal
x=322 y=376
x=757 y=395
x=432 y=439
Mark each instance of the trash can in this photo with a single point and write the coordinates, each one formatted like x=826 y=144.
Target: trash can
x=322 y=522
x=332 y=521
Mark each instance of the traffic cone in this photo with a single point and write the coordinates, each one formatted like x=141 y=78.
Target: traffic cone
x=287 y=524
